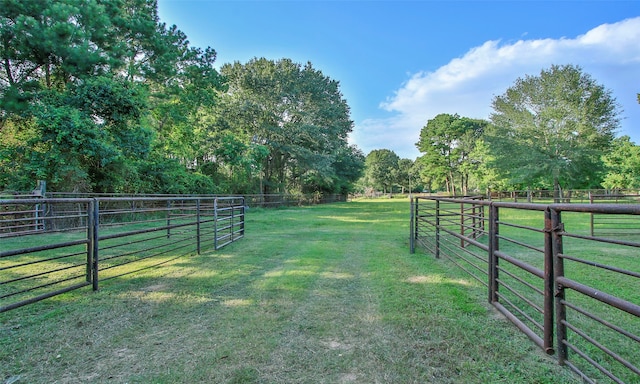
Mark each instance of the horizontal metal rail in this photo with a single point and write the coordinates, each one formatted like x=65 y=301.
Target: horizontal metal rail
x=590 y=319
x=95 y=239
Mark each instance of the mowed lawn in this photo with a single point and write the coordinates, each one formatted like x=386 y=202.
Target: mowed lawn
x=324 y=294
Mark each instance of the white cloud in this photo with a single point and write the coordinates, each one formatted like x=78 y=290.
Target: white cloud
x=467 y=85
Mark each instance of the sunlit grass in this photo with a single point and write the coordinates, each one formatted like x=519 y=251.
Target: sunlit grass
x=325 y=294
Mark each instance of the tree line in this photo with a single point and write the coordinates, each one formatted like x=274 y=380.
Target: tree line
x=100 y=96
x=555 y=131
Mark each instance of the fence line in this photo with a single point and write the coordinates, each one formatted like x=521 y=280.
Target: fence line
x=85 y=241
x=575 y=295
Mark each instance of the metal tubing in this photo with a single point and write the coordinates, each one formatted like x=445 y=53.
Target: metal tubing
x=493 y=248
x=41 y=297
x=215 y=224
x=412 y=247
x=552 y=224
x=520 y=325
x=41 y=248
x=198 y=226
x=437 y=245
x=95 y=215
x=606 y=298
x=90 y=238
x=559 y=294
x=168 y=219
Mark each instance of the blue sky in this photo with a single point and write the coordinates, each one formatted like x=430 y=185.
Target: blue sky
x=400 y=63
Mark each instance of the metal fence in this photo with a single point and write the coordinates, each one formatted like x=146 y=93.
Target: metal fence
x=619 y=226
x=575 y=295
x=51 y=246
x=274 y=200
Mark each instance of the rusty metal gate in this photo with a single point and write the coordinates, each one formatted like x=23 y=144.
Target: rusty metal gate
x=53 y=246
x=575 y=295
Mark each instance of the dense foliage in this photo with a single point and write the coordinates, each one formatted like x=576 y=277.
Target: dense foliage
x=552 y=131
x=293 y=122
x=99 y=96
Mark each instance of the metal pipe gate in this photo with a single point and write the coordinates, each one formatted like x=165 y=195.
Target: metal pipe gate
x=52 y=246
x=575 y=295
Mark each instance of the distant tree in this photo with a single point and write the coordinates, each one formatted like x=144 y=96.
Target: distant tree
x=381 y=168
x=447 y=142
x=554 y=128
x=295 y=112
x=349 y=167
x=623 y=165
x=404 y=175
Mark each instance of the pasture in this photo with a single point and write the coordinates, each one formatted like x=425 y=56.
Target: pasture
x=323 y=294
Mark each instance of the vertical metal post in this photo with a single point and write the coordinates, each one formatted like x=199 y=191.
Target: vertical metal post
x=40 y=209
x=215 y=224
x=243 y=215
x=417 y=216
x=591 y=214
x=474 y=222
x=437 y=245
x=232 y=225
x=412 y=223
x=558 y=271
x=550 y=226
x=168 y=219
x=95 y=218
x=462 y=225
x=494 y=216
x=90 y=239
x=198 y=226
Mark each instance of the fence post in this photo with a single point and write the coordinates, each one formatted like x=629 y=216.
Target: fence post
x=40 y=209
x=233 y=210
x=198 y=226
x=215 y=224
x=94 y=217
x=493 y=247
x=558 y=271
x=168 y=219
x=412 y=224
x=462 y=224
x=417 y=216
x=437 y=245
x=244 y=207
x=551 y=224
x=591 y=221
x=90 y=239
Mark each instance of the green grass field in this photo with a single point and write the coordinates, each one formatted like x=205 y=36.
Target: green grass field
x=326 y=294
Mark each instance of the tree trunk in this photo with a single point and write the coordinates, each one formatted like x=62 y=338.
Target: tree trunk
x=557 y=190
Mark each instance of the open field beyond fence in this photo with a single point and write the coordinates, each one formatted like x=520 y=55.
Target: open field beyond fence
x=325 y=294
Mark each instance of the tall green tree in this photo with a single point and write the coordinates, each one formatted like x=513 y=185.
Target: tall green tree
x=294 y=111
x=381 y=168
x=60 y=94
x=554 y=129
x=77 y=81
x=404 y=177
x=448 y=142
